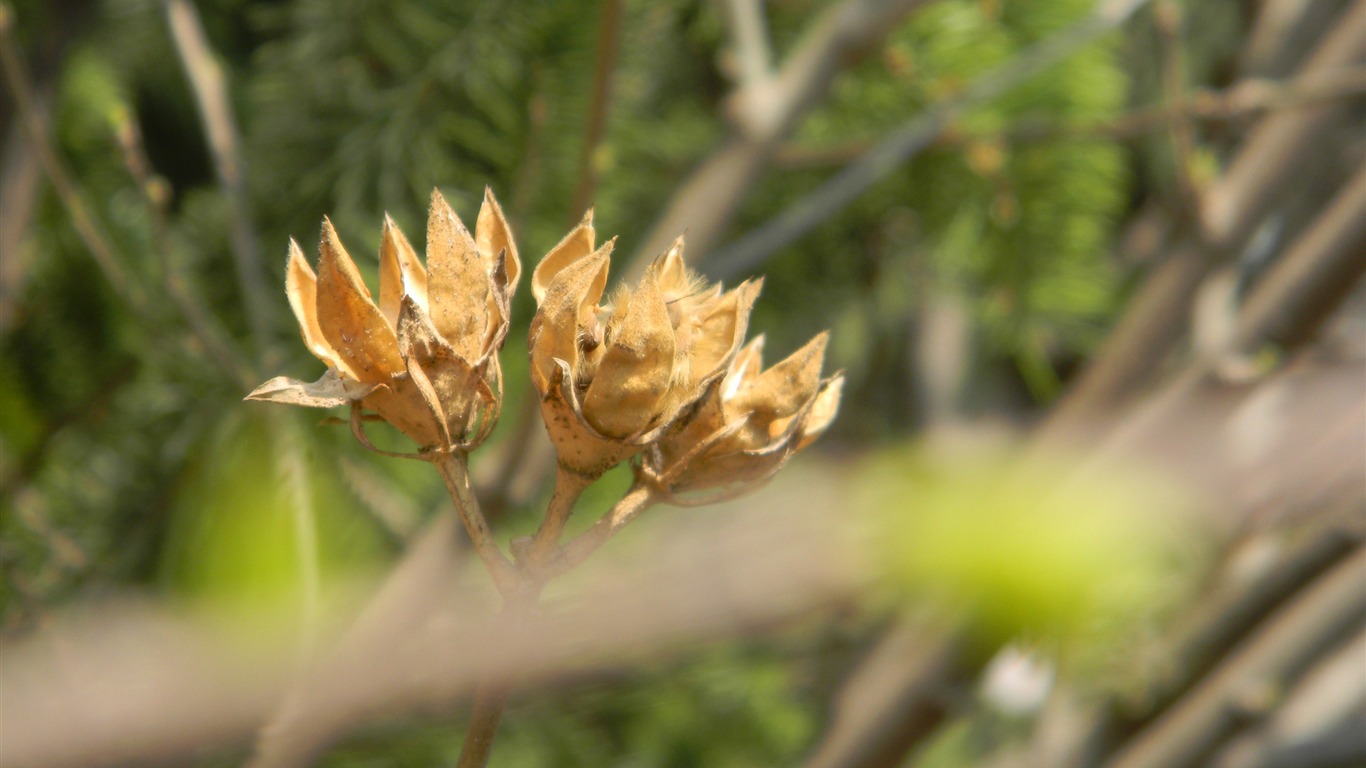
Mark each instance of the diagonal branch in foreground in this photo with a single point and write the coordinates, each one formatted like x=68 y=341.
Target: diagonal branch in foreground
x=139 y=686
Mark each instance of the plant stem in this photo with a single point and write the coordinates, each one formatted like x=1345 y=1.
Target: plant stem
x=543 y=560
x=490 y=699
x=455 y=473
x=750 y=251
x=521 y=584
x=640 y=497
x=568 y=487
x=520 y=590
x=216 y=344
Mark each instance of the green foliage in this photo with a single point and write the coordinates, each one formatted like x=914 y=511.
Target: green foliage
x=1019 y=229
x=378 y=102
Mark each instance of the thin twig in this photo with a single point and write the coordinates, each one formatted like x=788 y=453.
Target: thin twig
x=1246 y=99
x=87 y=226
x=209 y=85
x=569 y=486
x=1196 y=643
x=539 y=560
x=490 y=699
x=639 y=498
x=1243 y=99
x=1276 y=151
x=535 y=559
x=1310 y=280
x=893 y=701
x=20 y=179
x=1167 y=17
x=1333 y=691
x=217 y=345
x=609 y=36
x=455 y=474
x=1279 y=33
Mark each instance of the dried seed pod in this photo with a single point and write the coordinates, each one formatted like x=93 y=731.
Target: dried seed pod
x=749 y=423
x=613 y=379
x=425 y=357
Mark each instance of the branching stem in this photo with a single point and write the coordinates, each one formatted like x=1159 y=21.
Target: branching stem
x=640 y=497
x=519 y=584
x=537 y=562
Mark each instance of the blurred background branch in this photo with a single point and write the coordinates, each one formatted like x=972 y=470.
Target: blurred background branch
x=35 y=128
x=210 y=88
x=750 y=252
x=763 y=112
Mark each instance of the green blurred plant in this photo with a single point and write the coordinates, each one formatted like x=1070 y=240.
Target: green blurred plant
x=1035 y=548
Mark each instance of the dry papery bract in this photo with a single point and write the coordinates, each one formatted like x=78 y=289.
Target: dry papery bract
x=747 y=425
x=425 y=357
x=615 y=378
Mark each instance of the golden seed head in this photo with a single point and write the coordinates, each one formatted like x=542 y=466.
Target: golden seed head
x=613 y=378
x=660 y=366
x=425 y=356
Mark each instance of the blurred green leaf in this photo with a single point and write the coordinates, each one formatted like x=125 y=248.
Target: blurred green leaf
x=1035 y=548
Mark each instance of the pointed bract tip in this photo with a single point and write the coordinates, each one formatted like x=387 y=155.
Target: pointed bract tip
x=750 y=289
x=816 y=347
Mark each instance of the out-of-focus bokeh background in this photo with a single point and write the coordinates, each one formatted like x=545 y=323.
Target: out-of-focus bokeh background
x=1095 y=495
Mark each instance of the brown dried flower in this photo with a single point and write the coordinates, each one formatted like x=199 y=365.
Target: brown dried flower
x=750 y=423
x=425 y=358
x=614 y=378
